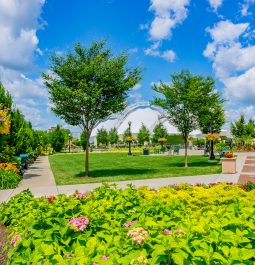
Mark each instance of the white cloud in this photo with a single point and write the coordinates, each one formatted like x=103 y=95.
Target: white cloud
x=168 y=14
x=19 y=23
x=215 y=4
x=137 y=86
x=233 y=61
x=18 y=26
x=245 y=7
x=168 y=55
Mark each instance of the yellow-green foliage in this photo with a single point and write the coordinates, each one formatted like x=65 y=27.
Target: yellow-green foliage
x=175 y=225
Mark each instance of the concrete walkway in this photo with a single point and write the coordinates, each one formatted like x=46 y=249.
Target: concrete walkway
x=40 y=180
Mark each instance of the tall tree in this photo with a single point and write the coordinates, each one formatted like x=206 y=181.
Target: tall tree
x=159 y=131
x=143 y=135
x=238 y=127
x=88 y=85
x=182 y=100
x=102 y=137
x=57 y=139
x=113 y=136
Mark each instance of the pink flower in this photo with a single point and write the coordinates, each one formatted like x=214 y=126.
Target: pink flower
x=105 y=258
x=79 y=223
x=95 y=263
x=15 y=239
x=68 y=255
x=138 y=234
x=80 y=195
x=169 y=232
x=179 y=232
x=127 y=224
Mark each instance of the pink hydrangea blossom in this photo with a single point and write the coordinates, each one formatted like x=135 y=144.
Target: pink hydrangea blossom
x=138 y=234
x=179 y=232
x=105 y=258
x=168 y=232
x=79 y=223
x=129 y=223
x=80 y=195
x=15 y=239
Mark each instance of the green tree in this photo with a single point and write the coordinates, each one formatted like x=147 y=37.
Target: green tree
x=57 y=138
x=88 y=85
x=159 y=131
x=184 y=101
x=243 y=131
x=238 y=127
x=143 y=135
x=250 y=128
x=102 y=137
x=84 y=141
x=113 y=136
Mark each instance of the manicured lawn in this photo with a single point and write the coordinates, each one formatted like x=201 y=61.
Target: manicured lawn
x=69 y=168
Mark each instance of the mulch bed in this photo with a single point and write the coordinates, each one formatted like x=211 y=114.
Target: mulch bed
x=3 y=240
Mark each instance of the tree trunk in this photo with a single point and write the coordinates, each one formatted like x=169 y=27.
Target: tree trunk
x=186 y=151
x=87 y=156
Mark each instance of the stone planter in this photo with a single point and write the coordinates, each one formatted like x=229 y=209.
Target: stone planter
x=228 y=165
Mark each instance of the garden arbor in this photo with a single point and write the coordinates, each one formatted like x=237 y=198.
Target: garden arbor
x=88 y=85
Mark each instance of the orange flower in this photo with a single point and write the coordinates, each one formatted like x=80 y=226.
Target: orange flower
x=9 y=167
x=229 y=154
x=162 y=139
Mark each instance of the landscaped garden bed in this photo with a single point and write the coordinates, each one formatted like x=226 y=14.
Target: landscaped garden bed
x=69 y=168
x=174 y=225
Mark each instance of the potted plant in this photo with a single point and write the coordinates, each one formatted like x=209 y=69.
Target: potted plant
x=228 y=163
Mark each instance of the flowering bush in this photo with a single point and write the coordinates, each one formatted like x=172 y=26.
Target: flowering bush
x=229 y=154
x=182 y=224
x=9 y=167
x=8 y=179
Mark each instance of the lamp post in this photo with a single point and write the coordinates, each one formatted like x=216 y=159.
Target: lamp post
x=129 y=141
x=69 y=142
x=212 y=131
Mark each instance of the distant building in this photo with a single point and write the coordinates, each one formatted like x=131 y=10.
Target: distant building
x=138 y=113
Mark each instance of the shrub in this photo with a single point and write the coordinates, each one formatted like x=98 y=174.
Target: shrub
x=9 y=179
x=175 y=225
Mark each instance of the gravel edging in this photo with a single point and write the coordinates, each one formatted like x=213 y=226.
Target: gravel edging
x=3 y=241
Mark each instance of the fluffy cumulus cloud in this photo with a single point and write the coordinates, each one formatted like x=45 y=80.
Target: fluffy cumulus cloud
x=233 y=61
x=153 y=50
x=168 y=14
x=18 y=26
x=233 y=57
x=19 y=23
x=215 y=4
x=245 y=7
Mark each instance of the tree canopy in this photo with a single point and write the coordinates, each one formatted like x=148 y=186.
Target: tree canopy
x=190 y=102
x=87 y=85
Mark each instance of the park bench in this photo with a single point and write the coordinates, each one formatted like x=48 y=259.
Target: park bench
x=176 y=150
x=24 y=159
x=223 y=151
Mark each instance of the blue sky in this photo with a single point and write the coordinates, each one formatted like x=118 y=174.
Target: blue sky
x=208 y=37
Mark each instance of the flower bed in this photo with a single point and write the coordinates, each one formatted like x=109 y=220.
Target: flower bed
x=175 y=225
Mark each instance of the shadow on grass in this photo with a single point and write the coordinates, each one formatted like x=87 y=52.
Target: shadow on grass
x=193 y=164
x=116 y=172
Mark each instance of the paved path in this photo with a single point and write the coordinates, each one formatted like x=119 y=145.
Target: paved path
x=40 y=180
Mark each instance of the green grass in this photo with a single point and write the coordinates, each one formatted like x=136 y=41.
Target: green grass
x=69 y=168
